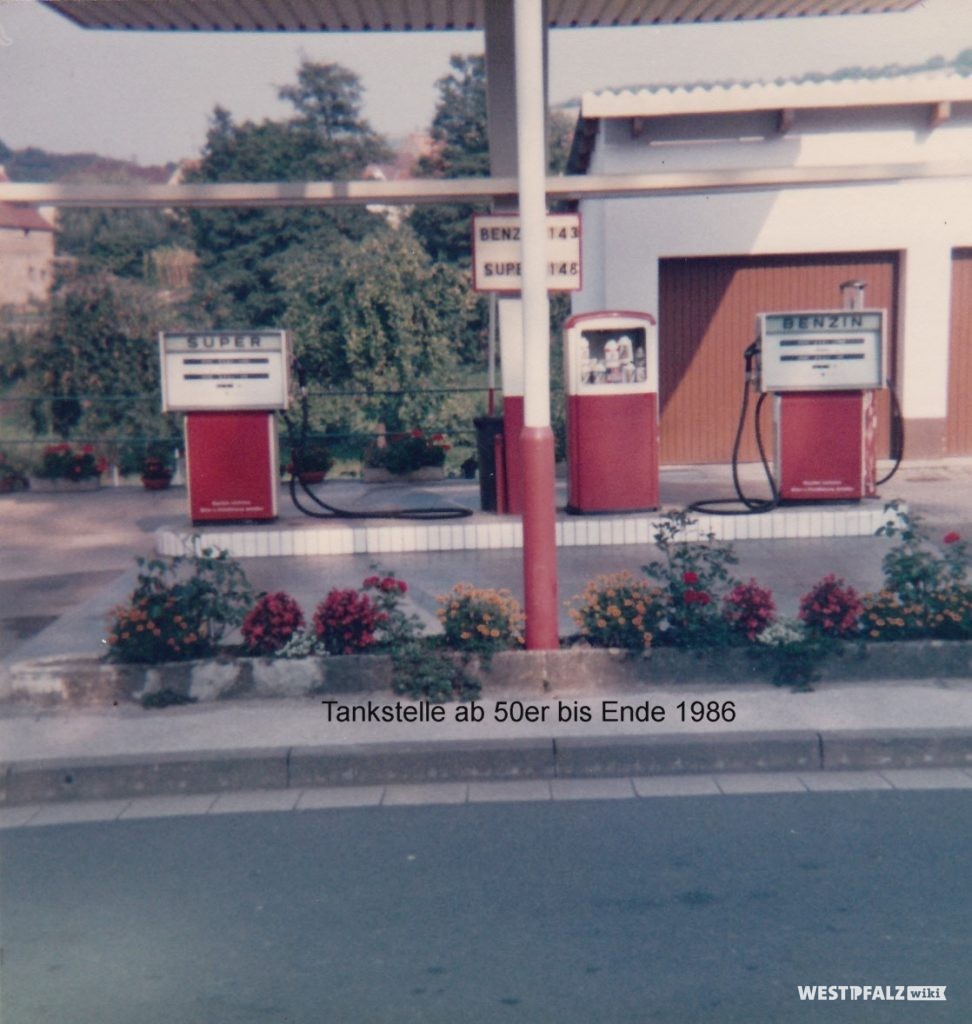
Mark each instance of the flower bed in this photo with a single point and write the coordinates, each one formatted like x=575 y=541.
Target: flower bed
x=688 y=620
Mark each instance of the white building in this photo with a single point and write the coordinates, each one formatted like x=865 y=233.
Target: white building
x=811 y=182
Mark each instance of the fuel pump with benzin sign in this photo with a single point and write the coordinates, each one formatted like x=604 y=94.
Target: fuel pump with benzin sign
x=611 y=381
x=824 y=369
x=228 y=383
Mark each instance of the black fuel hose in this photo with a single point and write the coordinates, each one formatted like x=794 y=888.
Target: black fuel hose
x=742 y=505
x=324 y=510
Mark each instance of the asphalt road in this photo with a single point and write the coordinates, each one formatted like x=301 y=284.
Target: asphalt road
x=673 y=910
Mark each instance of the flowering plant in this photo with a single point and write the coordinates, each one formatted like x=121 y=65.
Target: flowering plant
x=62 y=462
x=791 y=651
x=271 y=622
x=480 y=619
x=831 y=608
x=398 y=628
x=619 y=610
x=346 y=621
x=749 y=609
x=404 y=453
x=692 y=575
x=926 y=588
x=180 y=608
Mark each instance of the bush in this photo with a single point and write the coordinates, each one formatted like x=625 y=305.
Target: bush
x=749 y=609
x=480 y=620
x=346 y=622
x=831 y=608
x=619 y=610
x=271 y=622
x=180 y=609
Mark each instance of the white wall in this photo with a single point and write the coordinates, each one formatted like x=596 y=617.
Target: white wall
x=923 y=219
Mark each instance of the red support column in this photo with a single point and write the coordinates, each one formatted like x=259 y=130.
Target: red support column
x=540 y=539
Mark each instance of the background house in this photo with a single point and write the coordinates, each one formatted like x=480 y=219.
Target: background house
x=26 y=254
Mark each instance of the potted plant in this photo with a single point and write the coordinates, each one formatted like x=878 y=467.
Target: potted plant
x=11 y=476
x=65 y=468
x=410 y=456
x=310 y=463
x=156 y=473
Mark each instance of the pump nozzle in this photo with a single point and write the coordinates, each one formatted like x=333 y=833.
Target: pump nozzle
x=751 y=356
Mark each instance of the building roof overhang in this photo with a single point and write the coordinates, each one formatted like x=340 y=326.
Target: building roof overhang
x=431 y=15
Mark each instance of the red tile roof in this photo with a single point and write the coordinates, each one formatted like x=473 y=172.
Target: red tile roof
x=22 y=218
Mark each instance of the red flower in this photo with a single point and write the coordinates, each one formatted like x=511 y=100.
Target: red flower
x=951 y=538
x=690 y=578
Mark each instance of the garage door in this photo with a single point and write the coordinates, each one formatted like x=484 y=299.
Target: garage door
x=707 y=309
x=958 y=433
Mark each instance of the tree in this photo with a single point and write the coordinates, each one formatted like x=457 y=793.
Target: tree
x=459 y=132
x=378 y=316
x=241 y=250
x=117 y=242
x=99 y=345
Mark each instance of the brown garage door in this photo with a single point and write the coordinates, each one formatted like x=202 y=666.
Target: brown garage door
x=707 y=309
x=958 y=434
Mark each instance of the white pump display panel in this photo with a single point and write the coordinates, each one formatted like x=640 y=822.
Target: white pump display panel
x=611 y=354
x=822 y=350
x=224 y=370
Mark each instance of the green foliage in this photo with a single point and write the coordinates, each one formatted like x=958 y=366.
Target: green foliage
x=118 y=242
x=181 y=608
x=241 y=250
x=694 y=575
x=378 y=316
x=459 y=132
x=424 y=672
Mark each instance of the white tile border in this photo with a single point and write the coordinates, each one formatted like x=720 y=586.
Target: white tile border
x=506 y=532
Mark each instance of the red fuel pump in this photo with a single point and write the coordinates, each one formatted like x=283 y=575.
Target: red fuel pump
x=823 y=368
x=228 y=383
x=611 y=380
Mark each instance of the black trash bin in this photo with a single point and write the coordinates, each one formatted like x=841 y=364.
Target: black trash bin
x=488 y=428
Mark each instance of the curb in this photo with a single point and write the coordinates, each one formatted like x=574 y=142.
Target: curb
x=74 y=680
x=130 y=776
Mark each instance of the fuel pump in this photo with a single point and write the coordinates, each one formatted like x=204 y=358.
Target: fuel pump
x=228 y=383
x=823 y=369
x=611 y=380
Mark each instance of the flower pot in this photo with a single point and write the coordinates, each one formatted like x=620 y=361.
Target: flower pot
x=156 y=483
x=312 y=476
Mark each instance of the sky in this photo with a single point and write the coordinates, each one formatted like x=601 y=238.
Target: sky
x=148 y=96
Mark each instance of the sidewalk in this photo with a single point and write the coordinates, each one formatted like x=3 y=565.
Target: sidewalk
x=71 y=558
